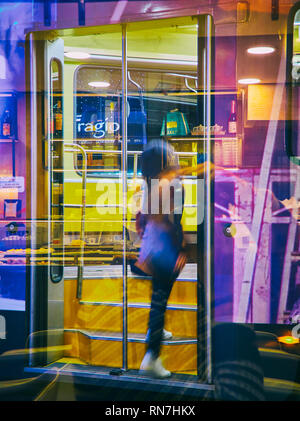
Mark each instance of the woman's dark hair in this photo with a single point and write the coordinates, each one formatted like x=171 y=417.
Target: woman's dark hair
x=157 y=157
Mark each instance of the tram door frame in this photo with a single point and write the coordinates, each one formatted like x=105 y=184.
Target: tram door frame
x=44 y=282
x=205 y=225
x=45 y=295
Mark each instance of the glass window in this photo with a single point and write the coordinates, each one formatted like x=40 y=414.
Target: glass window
x=98 y=122
x=256 y=201
x=56 y=163
x=156 y=100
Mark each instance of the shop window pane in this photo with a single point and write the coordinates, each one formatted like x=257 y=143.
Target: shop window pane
x=98 y=122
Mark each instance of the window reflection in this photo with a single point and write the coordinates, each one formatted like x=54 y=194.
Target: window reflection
x=98 y=118
x=159 y=104
x=295 y=147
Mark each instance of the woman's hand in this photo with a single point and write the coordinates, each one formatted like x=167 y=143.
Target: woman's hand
x=180 y=263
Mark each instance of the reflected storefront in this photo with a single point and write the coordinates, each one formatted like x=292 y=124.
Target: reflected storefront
x=121 y=98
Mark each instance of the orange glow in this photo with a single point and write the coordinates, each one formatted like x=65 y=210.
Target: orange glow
x=288 y=340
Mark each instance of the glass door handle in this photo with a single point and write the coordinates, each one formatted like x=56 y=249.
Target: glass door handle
x=70 y=147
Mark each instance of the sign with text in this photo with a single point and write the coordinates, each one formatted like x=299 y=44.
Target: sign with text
x=12 y=183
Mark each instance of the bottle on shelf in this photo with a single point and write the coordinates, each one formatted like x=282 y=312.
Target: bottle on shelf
x=6 y=124
x=232 y=120
x=58 y=118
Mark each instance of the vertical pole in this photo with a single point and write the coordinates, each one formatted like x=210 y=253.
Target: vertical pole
x=205 y=230
x=33 y=187
x=82 y=227
x=124 y=184
x=13 y=145
x=208 y=238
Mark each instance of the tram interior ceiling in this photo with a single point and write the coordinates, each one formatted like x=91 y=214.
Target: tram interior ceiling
x=226 y=102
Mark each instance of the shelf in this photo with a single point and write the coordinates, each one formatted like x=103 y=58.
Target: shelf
x=196 y=138
x=8 y=140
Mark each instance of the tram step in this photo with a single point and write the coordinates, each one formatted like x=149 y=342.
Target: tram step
x=180 y=320
x=184 y=291
x=104 y=348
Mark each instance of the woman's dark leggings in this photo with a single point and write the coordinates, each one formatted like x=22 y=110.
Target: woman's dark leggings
x=161 y=291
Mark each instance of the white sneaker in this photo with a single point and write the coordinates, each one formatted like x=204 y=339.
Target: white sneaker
x=154 y=366
x=165 y=336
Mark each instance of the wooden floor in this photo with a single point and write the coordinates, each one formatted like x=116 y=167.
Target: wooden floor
x=94 y=324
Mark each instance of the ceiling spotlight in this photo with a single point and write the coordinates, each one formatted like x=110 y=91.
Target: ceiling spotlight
x=99 y=84
x=260 y=50
x=249 y=81
x=77 y=55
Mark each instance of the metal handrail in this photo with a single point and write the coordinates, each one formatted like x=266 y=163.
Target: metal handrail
x=188 y=86
x=83 y=209
x=111 y=205
x=118 y=152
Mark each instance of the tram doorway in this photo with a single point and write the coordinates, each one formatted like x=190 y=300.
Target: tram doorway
x=98 y=96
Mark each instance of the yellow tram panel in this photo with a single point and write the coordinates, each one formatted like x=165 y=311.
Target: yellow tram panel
x=104 y=210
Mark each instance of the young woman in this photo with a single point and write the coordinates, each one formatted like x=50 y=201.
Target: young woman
x=162 y=249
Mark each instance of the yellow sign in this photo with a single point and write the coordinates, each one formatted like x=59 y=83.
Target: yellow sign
x=260 y=102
